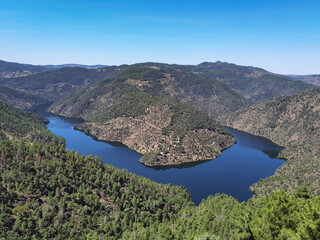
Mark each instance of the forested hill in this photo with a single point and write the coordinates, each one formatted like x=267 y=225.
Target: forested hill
x=75 y=65
x=311 y=79
x=52 y=85
x=252 y=83
x=10 y=69
x=255 y=84
x=21 y=99
x=141 y=109
x=292 y=122
x=207 y=94
x=16 y=124
x=47 y=192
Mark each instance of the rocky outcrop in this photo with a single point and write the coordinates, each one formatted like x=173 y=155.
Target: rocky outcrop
x=144 y=134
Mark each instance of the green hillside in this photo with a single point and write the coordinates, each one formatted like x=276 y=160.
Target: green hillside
x=255 y=84
x=209 y=95
x=21 y=99
x=52 y=85
x=48 y=192
x=292 y=122
x=18 y=67
x=16 y=124
x=148 y=109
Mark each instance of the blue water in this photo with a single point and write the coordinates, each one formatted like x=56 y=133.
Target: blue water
x=232 y=173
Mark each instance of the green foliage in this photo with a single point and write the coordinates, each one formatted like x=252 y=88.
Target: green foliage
x=52 y=85
x=255 y=83
x=139 y=85
x=21 y=124
x=21 y=99
x=49 y=192
x=279 y=216
x=132 y=104
x=283 y=216
x=14 y=67
x=186 y=118
x=292 y=122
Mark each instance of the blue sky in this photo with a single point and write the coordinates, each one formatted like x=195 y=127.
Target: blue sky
x=280 y=36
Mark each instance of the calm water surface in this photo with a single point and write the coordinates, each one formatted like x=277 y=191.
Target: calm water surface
x=231 y=173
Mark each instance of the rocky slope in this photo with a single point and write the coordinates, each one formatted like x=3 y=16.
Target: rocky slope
x=20 y=99
x=293 y=122
x=152 y=134
x=140 y=109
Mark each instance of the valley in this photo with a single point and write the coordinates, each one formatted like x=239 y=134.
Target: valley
x=161 y=124
x=232 y=173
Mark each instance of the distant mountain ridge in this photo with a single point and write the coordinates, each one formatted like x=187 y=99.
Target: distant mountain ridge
x=13 y=67
x=13 y=70
x=207 y=94
x=75 y=65
x=311 y=79
x=255 y=84
x=53 y=85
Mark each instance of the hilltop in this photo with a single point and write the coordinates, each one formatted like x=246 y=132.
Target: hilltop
x=13 y=70
x=55 y=81
x=10 y=69
x=252 y=84
x=207 y=94
x=292 y=122
x=255 y=84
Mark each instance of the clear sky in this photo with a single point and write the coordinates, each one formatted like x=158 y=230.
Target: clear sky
x=280 y=36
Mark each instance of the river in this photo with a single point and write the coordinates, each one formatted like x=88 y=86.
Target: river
x=232 y=173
